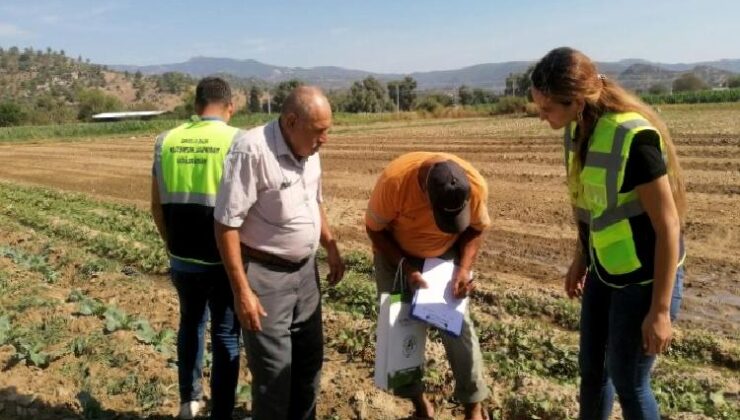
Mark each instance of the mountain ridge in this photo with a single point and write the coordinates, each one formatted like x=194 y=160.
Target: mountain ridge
x=484 y=75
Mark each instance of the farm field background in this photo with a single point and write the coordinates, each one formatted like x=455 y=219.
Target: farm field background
x=87 y=315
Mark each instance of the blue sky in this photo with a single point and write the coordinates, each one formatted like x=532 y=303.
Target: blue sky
x=380 y=35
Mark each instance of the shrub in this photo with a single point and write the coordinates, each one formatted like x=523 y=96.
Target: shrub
x=11 y=114
x=511 y=105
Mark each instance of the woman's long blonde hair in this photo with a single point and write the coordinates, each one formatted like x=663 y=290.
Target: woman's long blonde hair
x=565 y=75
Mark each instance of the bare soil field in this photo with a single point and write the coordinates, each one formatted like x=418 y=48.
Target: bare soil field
x=521 y=268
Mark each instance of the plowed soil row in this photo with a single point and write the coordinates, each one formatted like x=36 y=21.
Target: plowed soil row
x=532 y=234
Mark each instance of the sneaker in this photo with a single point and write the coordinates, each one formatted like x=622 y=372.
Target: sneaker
x=190 y=409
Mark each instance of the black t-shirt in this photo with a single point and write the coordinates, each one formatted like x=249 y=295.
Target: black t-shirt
x=645 y=163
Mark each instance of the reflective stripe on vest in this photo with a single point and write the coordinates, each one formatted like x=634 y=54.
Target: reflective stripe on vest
x=189 y=161
x=600 y=180
x=580 y=212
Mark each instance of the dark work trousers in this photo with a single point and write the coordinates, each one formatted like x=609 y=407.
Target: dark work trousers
x=199 y=294
x=285 y=358
x=611 y=356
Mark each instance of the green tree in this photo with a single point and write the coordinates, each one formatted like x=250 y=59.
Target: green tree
x=11 y=114
x=282 y=90
x=658 y=89
x=187 y=108
x=403 y=92
x=338 y=99
x=518 y=84
x=733 y=82
x=688 y=82
x=429 y=104
x=465 y=95
x=367 y=96
x=435 y=100
x=255 y=104
x=482 y=96
x=173 y=82
x=94 y=101
x=50 y=109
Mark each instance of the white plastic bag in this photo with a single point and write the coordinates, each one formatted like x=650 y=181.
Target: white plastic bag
x=400 y=343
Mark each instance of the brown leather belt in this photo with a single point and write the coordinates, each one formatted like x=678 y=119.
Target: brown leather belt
x=267 y=258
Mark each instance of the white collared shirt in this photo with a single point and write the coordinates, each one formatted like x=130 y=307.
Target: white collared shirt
x=270 y=195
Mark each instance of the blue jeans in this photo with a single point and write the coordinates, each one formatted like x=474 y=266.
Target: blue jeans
x=200 y=293
x=611 y=357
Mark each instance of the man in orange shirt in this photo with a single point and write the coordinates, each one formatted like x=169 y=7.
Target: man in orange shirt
x=427 y=205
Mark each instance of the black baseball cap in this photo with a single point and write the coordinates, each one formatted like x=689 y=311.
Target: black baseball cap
x=449 y=192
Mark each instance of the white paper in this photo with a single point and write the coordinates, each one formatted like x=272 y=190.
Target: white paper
x=437 y=304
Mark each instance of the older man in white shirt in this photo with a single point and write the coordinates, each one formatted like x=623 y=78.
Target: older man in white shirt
x=269 y=223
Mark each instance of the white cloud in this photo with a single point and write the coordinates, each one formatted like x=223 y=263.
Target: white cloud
x=10 y=30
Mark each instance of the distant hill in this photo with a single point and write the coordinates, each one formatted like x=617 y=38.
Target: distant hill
x=46 y=87
x=731 y=65
x=634 y=73
x=51 y=78
x=251 y=69
x=641 y=76
x=490 y=76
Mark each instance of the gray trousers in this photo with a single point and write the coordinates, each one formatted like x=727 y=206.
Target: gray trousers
x=463 y=352
x=285 y=358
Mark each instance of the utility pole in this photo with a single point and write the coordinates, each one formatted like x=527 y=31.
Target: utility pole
x=398 y=100
x=269 y=103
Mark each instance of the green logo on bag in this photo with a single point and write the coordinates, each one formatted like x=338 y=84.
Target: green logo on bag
x=409 y=345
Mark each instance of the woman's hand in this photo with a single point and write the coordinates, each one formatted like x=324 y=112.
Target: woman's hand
x=575 y=278
x=656 y=332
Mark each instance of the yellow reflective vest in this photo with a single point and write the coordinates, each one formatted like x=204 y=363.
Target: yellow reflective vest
x=595 y=193
x=188 y=165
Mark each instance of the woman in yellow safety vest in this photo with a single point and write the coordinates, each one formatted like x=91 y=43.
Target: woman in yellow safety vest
x=629 y=202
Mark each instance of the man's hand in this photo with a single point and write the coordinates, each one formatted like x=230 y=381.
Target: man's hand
x=249 y=310
x=336 y=264
x=462 y=282
x=414 y=280
x=656 y=332
x=575 y=279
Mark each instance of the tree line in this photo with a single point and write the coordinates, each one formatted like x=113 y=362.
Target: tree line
x=48 y=87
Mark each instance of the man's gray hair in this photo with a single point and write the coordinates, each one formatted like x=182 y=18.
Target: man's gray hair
x=302 y=100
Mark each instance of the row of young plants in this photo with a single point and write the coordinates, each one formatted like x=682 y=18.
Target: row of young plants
x=55 y=346
x=92 y=352
x=357 y=294
x=514 y=349
x=37 y=262
x=97 y=215
x=116 y=319
x=527 y=345
x=147 y=257
x=31 y=342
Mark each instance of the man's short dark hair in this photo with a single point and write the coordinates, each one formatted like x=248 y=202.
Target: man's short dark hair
x=211 y=90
